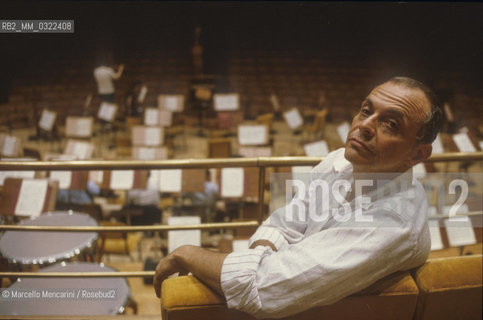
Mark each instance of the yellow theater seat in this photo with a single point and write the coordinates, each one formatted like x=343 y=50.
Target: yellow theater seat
x=450 y=288
x=393 y=297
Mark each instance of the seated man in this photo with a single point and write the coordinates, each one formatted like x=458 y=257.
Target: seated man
x=333 y=246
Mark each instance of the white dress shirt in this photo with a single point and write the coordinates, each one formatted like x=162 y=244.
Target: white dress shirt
x=320 y=261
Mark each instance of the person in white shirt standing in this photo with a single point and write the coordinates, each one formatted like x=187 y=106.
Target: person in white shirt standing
x=333 y=246
x=105 y=77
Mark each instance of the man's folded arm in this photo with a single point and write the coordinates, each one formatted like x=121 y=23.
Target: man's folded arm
x=319 y=270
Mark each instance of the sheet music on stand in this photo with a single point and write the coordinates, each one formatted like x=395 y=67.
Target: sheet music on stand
x=107 y=111
x=170 y=180
x=232 y=182
x=437 y=145
x=316 y=149
x=79 y=127
x=252 y=134
x=147 y=136
x=31 y=197
x=151 y=116
x=150 y=153
x=240 y=245
x=463 y=142
x=343 y=131
x=122 y=180
x=226 y=101
x=460 y=230
x=253 y=152
x=183 y=237
x=293 y=118
x=82 y=150
x=165 y=118
x=47 y=120
x=171 y=102
x=15 y=174
x=10 y=146
x=434 y=231
x=64 y=178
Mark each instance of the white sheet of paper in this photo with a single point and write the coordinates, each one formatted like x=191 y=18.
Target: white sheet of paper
x=232 y=182
x=122 y=179
x=170 y=180
x=226 y=102
x=172 y=103
x=343 y=131
x=437 y=145
x=81 y=150
x=165 y=118
x=31 y=197
x=151 y=116
x=15 y=174
x=316 y=149
x=47 y=120
x=463 y=142
x=142 y=94
x=435 y=234
x=481 y=145
x=106 y=111
x=252 y=134
x=419 y=171
x=249 y=152
x=460 y=232
x=152 y=136
x=96 y=176
x=9 y=146
x=84 y=127
x=147 y=154
x=183 y=237
x=240 y=245
x=64 y=178
x=293 y=118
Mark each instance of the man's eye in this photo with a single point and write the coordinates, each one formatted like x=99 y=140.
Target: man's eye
x=392 y=124
x=365 y=111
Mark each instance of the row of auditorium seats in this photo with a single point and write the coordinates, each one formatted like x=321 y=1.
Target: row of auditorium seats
x=445 y=288
x=297 y=78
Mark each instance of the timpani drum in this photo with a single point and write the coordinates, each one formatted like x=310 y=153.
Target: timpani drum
x=66 y=296
x=29 y=248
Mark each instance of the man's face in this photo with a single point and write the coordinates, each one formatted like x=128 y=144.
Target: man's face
x=382 y=137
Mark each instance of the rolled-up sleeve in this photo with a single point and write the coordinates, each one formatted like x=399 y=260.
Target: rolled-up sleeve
x=238 y=275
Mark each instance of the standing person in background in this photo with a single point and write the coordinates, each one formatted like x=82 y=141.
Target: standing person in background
x=105 y=76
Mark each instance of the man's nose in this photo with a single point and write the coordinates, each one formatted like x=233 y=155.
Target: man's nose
x=368 y=127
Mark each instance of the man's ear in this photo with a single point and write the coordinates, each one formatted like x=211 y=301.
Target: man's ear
x=421 y=153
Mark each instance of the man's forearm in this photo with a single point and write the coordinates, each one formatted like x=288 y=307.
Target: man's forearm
x=204 y=264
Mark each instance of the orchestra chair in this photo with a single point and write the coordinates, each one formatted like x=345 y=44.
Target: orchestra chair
x=11 y=191
x=116 y=242
x=317 y=129
x=450 y=288
x=393 y=297
x=219 y=148
x=445 y=288
x=266 y=119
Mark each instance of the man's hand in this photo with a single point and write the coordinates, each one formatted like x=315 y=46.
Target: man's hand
x=166 y=267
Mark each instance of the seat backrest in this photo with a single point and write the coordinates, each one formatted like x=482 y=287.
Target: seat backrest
x=393 y=297
x=450 y=288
